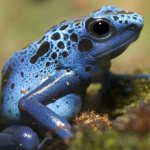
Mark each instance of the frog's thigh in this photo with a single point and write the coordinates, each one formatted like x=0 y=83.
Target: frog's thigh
x=67 y=106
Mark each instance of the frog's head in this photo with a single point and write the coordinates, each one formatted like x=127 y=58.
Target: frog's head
x=109 y=31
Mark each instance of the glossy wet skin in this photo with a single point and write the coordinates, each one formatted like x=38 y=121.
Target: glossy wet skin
x=74 y=45
x=44 y=83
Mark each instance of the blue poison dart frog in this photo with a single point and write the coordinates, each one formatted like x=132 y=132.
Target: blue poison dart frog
x=45 y=83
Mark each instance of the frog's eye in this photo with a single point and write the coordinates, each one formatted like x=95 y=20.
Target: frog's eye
x=99 y=28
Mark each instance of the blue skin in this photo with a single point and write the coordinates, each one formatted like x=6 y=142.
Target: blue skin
x=45 y=82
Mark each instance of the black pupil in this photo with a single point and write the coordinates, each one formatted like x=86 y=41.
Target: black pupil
x=101 y=28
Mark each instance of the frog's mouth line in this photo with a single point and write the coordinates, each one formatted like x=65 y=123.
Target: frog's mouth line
x=117 y=50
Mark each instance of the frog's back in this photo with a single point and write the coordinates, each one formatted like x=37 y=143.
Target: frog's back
x=29 y=67
x=25 y=71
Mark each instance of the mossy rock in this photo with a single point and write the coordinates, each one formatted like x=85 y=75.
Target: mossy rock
x=121 y=96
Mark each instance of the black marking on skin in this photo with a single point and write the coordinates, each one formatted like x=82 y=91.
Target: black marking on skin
x=41 y=39
x=56 y=61
x=55 y=36
x=60 y=45
x=126 y=22
x=85 y=45
x=48 y=64
x=22 y=74
x=65 y=54
x=122 y=15
x=68 y=43
x=12 y=86
x=108 y=11
x=115 y=18
x=22 y=60
x=43 y=49
x=120 y=21
x=57 y=106
x=54 y=55
x=6 y=77
x=74 y=37
x=63 y=27
x=36 y=76
x=88 y=69
x=70 y=31
x=135 y=18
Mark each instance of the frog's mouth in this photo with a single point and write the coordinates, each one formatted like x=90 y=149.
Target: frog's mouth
x=114 y=52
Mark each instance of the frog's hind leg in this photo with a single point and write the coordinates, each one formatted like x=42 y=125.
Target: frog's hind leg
x=110 y=80
x=117 y=80
x=19 y=137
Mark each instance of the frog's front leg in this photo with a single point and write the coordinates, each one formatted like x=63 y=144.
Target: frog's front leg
x=34 y=103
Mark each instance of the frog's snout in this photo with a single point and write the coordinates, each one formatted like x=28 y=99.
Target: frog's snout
x=137 y=23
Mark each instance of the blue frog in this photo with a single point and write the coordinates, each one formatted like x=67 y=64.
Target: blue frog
x=44 y=84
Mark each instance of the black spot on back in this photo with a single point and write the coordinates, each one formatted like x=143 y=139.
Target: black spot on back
x=115 y=18
x=43 y=49
x=54 y=55
x=63 y=27
x=120 y=21
x=74 y=37
x=5 y=77
x=22 y=60
x=36 y=76
x=55 y=36
x=85 y=45
x=108 y=11
x=126 y=22
x=135 y=18
x=65 y=54
x=48 y=64
x=60 y=45
x=70 y=31
x=12 y=86
x=22 y=74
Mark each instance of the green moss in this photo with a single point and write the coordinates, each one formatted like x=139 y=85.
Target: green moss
x=125 y=94
x=87 y=139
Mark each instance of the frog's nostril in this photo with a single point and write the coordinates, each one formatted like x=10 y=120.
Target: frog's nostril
x=132 y=26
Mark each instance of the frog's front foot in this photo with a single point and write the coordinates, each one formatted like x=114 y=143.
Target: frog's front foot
x=19 y=137
x=22 y=138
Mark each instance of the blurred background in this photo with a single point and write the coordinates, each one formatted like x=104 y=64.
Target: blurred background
x=23 y=21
